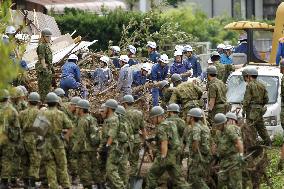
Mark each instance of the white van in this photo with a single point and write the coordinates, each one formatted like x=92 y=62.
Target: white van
x=270 y=76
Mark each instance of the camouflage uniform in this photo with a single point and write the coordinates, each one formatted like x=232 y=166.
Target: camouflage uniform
x=229 y=156
x=87 y=138
x=31 y=160
x=21 y=105
x=199 y=165
x=180 y=123
x=223 y=70
x=187 y=95
x=9 y=139
x=166 y=96
x=54 y=152
x=44 y=75
x=218 y=90
x=115 y=154
x=167 y=131
x=136 y=120
x=253 y=106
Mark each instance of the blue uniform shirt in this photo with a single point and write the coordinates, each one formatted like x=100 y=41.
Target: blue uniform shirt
x=159 y=73
x=102 y=76
x=115 y=62
x=243 y=48
x=280 y=51
x=70 y=69
x=179 y=68
x=132 y=62
x=138 y=79
x=154 y=56
x=195 y=65
x=226 y=59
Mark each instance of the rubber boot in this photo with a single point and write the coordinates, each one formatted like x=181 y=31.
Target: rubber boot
x=4 y=183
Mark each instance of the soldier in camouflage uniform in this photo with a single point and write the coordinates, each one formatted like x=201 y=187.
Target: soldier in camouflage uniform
x=166 y=92
x=17 y=99
x=44 y=64
x=86 y=144
x=255 y=99
x=187 y=95
x=230 y=151
x=125 y=139
x=59 y=128
x=173 y=115
x=217 y=91
x=110 y=152
x=32 y=157
x=168 y=146
x=199 y=149
x=137 y=124
x=9 y=138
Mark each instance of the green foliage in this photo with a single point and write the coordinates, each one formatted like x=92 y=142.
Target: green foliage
x=278 y=140
x=200 y=26
x=8 y=70
x=174 y=2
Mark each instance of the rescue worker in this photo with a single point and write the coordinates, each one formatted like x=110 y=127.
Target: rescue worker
x=9 y=140
x=173 y=111
x=24 y=89
x=187 y=95
x=203 y=76
x=114 y=54
x=44 y=66
x=176 y=79
x=54 y=154
x=220 y=48
x=166 y=91
x=71 y=76
x=152 y=52
x=225 y=58
x=17 y=99
x=180 y=67
x=9 y=38
x=140 y=77
x=131 y=54
x=192 y=60
x=280 y=51
x=31 y=159
x=217 y=91
x=159 y=72
x=136 y=120
x=110 y=152
x=86 y=144
x=255 y=99
x=102 y=76
x=168 y=145
x=125 y=78
x=230 y=151
x=61 y=93
x=199 y=144
x=125 y=139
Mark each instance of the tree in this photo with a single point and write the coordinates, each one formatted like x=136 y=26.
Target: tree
x=174 y=3
x=131 y=3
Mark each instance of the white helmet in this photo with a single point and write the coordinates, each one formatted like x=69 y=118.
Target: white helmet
x=178 y=53
x=164 y=58
x=179 y=48
x=221 y=46
x=73 y=57
x=124 y=58
x=151 y=44
x=147 y=68
x=10 y=30
x=116 y=49
x=104 y=59
x=187 y=48
x=228 y=47
x=132 y=49
x=209 y=61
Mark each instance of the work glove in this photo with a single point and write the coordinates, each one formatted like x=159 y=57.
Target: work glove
x=280 y=165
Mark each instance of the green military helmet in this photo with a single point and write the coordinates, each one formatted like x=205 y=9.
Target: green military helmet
x=34 y=97
x=17 y=92
x=111 y=103
x=4 y=94
x=128 y=99
x=51 y=97
x=46 y=32
x=245 y=72
x=215 y=53
x=231 y=115
x=59 y=92
x=74 y=100
x=24 y=89
x=281 y=63
x=84 y=104
x=195 y=112
x=163 y=83
x=173 y=108
x=211 y=70
x=156 y=111
x=176 y=78
x=120 y=110
x=252 y=71
x=220 y=119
